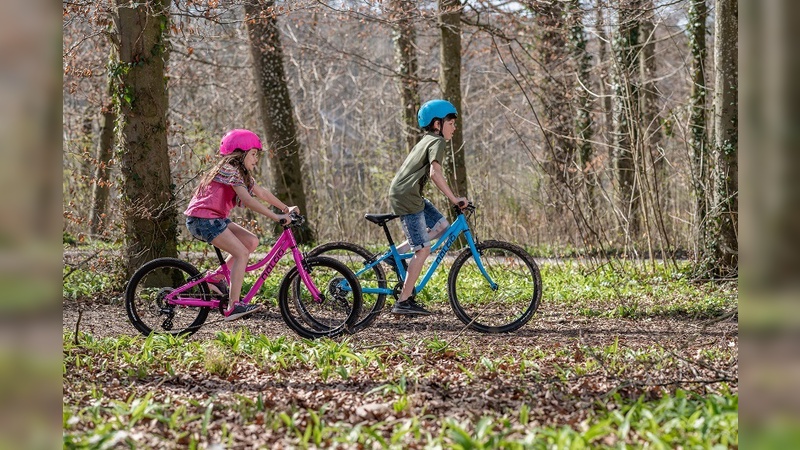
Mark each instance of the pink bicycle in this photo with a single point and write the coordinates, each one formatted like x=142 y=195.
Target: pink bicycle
x=318 y=297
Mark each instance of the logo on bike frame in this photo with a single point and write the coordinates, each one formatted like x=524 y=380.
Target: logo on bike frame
x=445 y=247
x=272 y=264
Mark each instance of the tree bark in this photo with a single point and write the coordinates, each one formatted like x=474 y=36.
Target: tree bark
x=285 y=154
x=626 y=105
x=652 y=163
x=553 y=50
x=584 y=127
x=608 y=111
x=140 y=93
x=100 y=188
x=450 y=83
x=723 y=243
x=698 y=140
x=404 y=36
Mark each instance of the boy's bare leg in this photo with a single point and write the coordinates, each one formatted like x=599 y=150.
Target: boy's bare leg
x=414 y=269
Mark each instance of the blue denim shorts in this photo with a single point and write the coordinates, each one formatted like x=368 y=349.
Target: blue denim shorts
x=416 y=226
x=206 y=229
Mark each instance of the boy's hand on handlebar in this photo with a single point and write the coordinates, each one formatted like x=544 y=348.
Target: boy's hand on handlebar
x=461 y=202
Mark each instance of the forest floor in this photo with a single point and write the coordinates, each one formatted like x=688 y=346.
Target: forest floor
x=562 y=368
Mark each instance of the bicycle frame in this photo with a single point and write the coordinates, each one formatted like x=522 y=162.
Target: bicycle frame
x=285 y=242
x=441 y=246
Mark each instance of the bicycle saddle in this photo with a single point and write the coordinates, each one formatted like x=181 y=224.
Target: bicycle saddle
x=380 y=219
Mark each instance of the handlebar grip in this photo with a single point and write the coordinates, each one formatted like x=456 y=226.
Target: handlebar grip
x=294 y=220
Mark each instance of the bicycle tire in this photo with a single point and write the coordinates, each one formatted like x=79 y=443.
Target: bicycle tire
x=514 y=302
x=339 y=309
x=356 y=258
x=145 y=292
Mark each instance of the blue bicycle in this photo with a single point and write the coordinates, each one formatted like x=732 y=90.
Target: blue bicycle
x=493 y=286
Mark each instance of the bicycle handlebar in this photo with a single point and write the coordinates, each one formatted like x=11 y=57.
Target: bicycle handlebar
x=295 y=220
x=459 y=209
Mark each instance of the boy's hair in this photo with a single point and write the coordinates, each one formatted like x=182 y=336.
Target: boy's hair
x=235 y=159
x=430 y=127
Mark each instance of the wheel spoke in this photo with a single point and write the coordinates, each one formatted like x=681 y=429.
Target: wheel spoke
x=146 y=298
x=517 y=295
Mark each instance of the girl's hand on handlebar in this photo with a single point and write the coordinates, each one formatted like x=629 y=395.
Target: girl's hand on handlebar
x=284 y=219
x=293 y=209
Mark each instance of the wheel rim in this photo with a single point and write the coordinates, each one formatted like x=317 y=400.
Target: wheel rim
x=147 y=305
x=326 y=317
x=505 y=308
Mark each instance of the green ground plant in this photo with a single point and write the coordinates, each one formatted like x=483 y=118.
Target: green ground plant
x=105 y=417
x=240 y=388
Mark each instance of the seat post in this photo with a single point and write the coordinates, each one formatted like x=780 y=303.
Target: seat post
x=219 y=255
x=388 y=235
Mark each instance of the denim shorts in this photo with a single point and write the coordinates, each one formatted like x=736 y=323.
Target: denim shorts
x=206 y=229
x=416 y=226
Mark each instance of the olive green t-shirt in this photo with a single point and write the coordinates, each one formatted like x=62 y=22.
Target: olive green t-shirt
x=405 y=192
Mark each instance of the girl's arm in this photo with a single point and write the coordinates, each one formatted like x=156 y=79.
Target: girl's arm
x=253 y=203
x=437 y=177
x=270 y=198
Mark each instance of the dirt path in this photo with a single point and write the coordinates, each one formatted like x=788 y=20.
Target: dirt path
x=551 y=326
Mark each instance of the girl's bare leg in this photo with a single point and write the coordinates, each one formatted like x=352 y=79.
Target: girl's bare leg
x=239 y=243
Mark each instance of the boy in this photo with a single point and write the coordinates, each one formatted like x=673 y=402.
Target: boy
x=421 y=221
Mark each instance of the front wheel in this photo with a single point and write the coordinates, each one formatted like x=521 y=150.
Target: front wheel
x=516 y=297
x=338 y=307
x=145 y=298
x=356 y=258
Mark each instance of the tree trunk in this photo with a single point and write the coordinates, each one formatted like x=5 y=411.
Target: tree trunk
x=626 y=105
x=553 y=51
x=86 y=140
x=698 y=14
x=100 y=189
x=140 y=92
x=653 y=164
x=723 y=243
x=583 y=101
x=404 y=36
x=608 y=111
x=276 y=109
x=450 y=82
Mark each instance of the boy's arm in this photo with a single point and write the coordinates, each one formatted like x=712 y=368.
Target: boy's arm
x=437 y=177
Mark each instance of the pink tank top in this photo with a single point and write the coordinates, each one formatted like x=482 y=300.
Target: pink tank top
x=218 y=198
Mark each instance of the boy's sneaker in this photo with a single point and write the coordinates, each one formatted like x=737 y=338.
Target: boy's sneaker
x=241 y=310
x=410 y=308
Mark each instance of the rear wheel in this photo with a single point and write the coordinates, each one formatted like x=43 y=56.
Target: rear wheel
x=340 y=299
x=145 y=298
x=356 y=258
x=506 y=308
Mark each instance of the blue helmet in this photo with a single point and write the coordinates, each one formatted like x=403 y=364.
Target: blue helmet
x=434 y=109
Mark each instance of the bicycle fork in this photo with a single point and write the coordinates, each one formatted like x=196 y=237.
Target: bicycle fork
x=476 y=255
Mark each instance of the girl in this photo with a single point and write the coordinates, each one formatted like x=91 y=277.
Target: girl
x=230 y=183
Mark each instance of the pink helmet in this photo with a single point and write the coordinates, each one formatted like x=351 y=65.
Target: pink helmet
x=239 y=139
